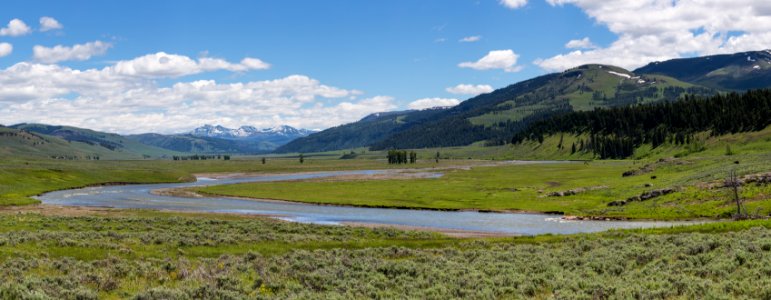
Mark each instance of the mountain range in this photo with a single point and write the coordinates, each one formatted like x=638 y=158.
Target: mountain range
x=494 y=117
x=491 y=118
x=67 y=142
x=220 y=139
x=249 y=132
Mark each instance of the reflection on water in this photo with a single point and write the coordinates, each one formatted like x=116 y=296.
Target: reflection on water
x=139 y=196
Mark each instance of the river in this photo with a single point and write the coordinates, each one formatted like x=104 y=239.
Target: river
x=140 y=197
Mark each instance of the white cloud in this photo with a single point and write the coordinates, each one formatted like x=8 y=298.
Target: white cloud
x=470 y=89
x=654 y=30
x=513 y=3
x=15 y=27
x=63 y=53
x=48 y=23
x=470 y=39
x=496 y=59
x=432 y=102
x=584 y=43
x=162 y=64
x=254 y=64
x=129 y=99
x=5 y=49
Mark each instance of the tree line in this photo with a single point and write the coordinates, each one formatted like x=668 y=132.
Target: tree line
x=616 y=132
x=402 y=157
x=201 y=157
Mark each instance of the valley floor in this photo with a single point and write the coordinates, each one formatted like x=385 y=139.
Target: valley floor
x=666 y=183
x=74 y=253
x=153 y=255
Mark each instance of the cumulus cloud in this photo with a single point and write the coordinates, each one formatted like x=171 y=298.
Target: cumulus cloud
x=432 y=102
x=63 y=53
x=254 y=64
x=497 y=59
x=584 y=43
x=470 y=89
x=162 y=64
x=15 y=27
x=470 y=39
x=513 y=3
x=663 y=30
x=48 y=23
x=118 y=100
x=5 y=49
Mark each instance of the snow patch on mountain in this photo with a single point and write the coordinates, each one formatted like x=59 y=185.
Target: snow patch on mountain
x=248 y=131
x=627 y=76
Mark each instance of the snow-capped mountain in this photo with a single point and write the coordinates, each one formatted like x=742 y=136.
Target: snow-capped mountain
x=248 y=132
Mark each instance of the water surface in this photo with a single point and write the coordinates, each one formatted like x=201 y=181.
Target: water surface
x=140 y=196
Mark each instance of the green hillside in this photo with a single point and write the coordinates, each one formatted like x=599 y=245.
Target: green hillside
x=496 y=116
x=71 y=143
x=588 y=87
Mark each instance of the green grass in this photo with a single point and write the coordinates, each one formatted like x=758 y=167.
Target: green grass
x=524 y=187
x=156 y=255
x=21 y=178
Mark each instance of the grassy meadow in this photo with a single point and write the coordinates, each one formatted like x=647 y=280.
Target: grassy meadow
x=687 y=169
x=113 y=254
x=93 y=253
x=25 y=177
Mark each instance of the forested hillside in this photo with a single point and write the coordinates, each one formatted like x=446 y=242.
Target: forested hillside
x=495 y=117
x=616 y=132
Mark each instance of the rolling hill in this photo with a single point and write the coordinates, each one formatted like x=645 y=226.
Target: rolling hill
x=369 y=130
x=62 y=142
x=496 y=116
x=735 y=72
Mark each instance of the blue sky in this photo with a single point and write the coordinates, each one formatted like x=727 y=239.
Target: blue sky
x=377 y=54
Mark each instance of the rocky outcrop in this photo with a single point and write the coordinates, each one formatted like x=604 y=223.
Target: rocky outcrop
x=575 y=191
x=757 y=179
x=643 y=197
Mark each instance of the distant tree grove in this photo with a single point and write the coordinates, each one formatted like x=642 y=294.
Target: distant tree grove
x=616 y=132
x=402 y=157
x=200 y=157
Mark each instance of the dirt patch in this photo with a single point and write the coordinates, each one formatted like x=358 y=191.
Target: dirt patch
x=553 y=183
x=652 y=166
x=177 y=192
x=57 y=210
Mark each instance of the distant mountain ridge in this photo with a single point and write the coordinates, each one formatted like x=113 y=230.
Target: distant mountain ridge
x=248 y=131
x=72 y=141
x=732 y=72
x=220 y=139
